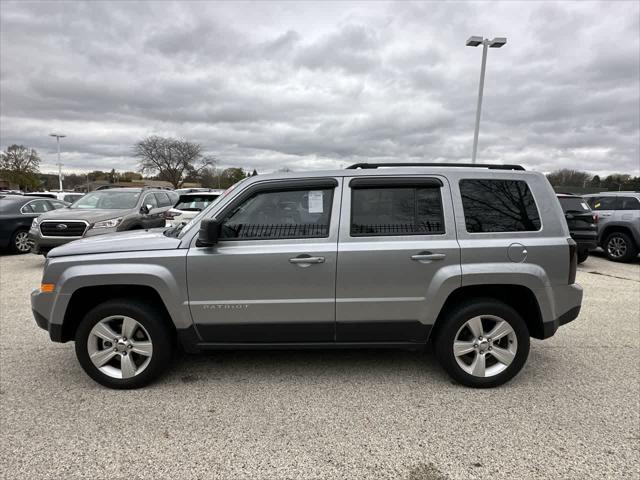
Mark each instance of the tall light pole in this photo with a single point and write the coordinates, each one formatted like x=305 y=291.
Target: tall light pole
x=485 y=42
x=58 y=137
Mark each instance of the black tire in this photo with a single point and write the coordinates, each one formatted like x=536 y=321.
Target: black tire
x=153 y=321
x=625 y=249
x=17 y=239
x=583 y=255
x=456 y=318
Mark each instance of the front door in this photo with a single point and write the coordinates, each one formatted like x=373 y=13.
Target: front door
x=271 y=277
x=394 y=245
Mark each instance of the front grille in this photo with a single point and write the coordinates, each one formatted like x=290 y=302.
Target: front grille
x=62 y=228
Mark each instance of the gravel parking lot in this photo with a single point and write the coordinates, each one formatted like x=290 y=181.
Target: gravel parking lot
x=573 y=412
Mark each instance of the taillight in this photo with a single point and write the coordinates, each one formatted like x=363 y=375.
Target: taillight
x=168 y=215
x=573 y=260
x=595 y=218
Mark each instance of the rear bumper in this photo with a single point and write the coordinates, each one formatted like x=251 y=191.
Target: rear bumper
x=586 y=240
x=550 y=328
x=568 y=302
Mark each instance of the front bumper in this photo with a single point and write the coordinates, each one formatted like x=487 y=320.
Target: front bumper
x=40 y=244
x=40 y=305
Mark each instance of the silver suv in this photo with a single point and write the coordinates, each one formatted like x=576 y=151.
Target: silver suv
x=474 y=260
x=618 y=215
x=100 y=212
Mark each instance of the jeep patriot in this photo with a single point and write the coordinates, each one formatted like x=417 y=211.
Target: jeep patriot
x=474 y=259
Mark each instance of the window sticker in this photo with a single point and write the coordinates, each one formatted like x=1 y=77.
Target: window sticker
x=597 y=205
x=315 y=201
x=584 y=206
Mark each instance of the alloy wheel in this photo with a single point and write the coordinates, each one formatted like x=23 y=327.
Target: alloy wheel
x=22 y=242
x=485 y=346
x=119 y=346
x=617 y=247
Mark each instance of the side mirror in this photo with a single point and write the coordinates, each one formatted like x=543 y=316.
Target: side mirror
x=209 y=232
x=145 y=209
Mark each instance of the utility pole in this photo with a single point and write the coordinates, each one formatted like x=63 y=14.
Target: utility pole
x=485 y=42
x=58 y=137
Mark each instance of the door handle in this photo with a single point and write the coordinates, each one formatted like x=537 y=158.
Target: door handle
x=305 y=260
x=428 y=256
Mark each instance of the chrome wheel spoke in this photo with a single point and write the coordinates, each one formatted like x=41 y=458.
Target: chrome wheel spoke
x=475 y=325
x=127 y=366
x=501 y=329
x=142 y=348
x=104 y=331
x=462 y=348
x=503 y=355
x=128 y=327
x=478 y=366
x=101 y=357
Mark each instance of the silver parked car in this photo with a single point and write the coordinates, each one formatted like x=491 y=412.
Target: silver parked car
x=474 y=260
x=618 y=223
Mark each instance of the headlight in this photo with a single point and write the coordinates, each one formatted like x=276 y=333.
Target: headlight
x=34 y=224
x=114 y=222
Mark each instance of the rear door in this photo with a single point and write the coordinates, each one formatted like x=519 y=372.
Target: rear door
x=605 y=208
x=394 y=241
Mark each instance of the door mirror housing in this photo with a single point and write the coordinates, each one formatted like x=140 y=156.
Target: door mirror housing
x=145 y=209
x=209 y=232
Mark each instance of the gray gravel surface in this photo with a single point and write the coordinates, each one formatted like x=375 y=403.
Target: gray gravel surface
x=573 y=412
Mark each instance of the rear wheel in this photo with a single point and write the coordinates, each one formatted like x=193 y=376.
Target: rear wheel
x=20 y=242
x=123 y=344
x=582 y=256
x=619 y=247
x=483 y=343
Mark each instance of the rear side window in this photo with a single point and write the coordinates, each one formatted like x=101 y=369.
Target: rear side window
x=629 y=203
x=499 y=206
x=387 y=211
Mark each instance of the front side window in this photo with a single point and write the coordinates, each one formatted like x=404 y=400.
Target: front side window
x=150 y=200
x=108 y=200
x=163 y=199
x=281 y=214
x=391 y=211
x=499 y=206
x=36 y=206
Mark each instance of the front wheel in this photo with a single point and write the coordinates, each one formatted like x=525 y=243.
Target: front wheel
x=123 y=344
x=483 y=343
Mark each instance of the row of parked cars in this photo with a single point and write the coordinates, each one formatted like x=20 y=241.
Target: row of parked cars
x=38 y=222
x=610 y=220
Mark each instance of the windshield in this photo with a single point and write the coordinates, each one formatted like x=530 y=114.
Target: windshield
x=195 y=203
x=108 y=200
x=574 y=204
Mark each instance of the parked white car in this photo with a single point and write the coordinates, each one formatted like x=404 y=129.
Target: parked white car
x=189 y=205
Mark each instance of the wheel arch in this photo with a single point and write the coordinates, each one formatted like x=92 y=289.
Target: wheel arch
x=86 y=298
x=520 y=298
x=618 y=227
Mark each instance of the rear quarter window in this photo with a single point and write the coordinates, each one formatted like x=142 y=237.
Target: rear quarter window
x=499 y=206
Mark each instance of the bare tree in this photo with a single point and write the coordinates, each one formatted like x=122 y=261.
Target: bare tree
x=19 y=165
x=171 y=159
x=567 y=177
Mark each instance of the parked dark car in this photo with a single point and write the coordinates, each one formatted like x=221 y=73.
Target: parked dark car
x=582 y=223
x=101 y=212
x=16 y=215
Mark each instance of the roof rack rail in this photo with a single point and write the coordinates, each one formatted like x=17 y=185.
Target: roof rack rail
x=408 y=164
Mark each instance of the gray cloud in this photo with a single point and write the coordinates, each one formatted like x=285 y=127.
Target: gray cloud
x=321 y=85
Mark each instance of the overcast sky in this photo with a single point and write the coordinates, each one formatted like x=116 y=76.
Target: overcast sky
x=324 y=84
